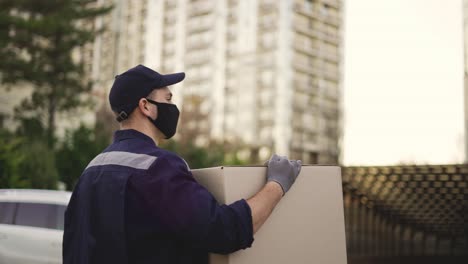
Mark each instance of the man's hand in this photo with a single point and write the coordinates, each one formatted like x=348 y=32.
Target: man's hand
x=281 y=174
x=283 y=171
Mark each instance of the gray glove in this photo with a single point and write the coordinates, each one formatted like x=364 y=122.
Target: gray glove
x=283 y=171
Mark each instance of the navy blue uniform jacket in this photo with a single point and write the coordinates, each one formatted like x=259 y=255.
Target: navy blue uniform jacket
x=137 y=203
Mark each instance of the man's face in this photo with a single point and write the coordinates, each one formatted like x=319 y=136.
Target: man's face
x=161 y=95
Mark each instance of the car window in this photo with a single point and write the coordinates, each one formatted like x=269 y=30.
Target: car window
x=35 y=214
x=60 y=216
x=7 y=211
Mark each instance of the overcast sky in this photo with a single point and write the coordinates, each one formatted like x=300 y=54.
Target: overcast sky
x=403 y=82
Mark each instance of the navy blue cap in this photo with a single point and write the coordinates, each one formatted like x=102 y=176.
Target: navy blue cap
x=134 y=84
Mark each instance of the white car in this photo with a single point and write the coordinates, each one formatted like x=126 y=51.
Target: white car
x=31 y=226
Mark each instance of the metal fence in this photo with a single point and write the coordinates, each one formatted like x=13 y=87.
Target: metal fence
x=406 y=211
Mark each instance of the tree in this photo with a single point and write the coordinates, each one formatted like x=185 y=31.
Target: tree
x=214 y=152
x=10 y=158
x=37 y=42
x=37 y=170
x=78 y=149
x=197 y=157
x=26 y=163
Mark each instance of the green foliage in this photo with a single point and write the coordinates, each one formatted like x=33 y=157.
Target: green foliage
x=77 y=150
x=233 y=159
x=37 y=42
x=26 y=163
x=32 y=129
x=37 y=170
x=10 y=158
x=198 y=157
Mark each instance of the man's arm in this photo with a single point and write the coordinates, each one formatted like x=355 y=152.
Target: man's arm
x=185 y=210
x=281 y=174
x=263 y=203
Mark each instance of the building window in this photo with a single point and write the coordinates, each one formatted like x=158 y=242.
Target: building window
x=324 y=10
x=267 y=78
x=309 y=5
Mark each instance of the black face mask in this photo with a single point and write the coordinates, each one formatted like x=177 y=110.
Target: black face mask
x=168 y=116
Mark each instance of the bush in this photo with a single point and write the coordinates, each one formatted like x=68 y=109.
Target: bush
x=37 y=170
x=76 y=151
x=197 y=157
x=10 y=159
x=26 y=163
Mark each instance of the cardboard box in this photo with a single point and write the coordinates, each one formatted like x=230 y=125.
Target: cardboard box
x=307 y=226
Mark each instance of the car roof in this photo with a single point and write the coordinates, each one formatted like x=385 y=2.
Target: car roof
x=35 y=196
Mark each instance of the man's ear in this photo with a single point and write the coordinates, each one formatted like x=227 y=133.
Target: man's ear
x=146 y=109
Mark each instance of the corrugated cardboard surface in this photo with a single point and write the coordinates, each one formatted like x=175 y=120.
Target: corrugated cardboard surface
x=307 y=226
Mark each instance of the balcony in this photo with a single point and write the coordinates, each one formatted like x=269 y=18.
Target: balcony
x=232 y=17
x=265 y=122
x=267 y=23
x=201 y=7
x=332 y=75
x=169 y=34
x=304 y=86
x=232 y=3
x=332 y=38
x=231 y=33
x=308 y=69
x=171 y=4
x=169 y=20
x=199 y=43
x=333 y=18
x=310 y=32
x=196 y=25
x=309 y=50
x=300 y=100
x=268 y=7
x=301 y=9
x=168 y=51
x=266 y=60
x=330 y=56
x=199 y=84
x=333 y=3
x=196 y=60
x=265 y=47
x=231 y=53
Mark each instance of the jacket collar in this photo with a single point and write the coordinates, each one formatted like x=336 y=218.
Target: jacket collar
x=120 y=135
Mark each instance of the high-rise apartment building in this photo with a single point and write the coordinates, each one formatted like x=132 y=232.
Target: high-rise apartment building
x=263 y=74
x=465 y=38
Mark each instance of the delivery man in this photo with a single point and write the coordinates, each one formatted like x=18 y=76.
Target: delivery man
x=137 y=203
